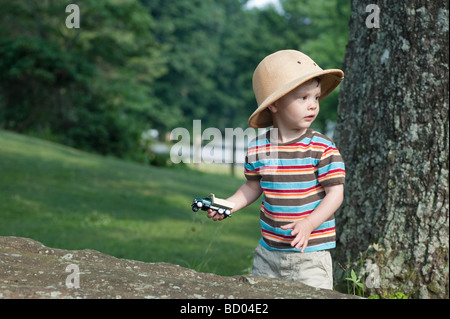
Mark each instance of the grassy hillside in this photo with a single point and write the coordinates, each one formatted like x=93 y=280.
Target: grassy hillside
x=69 y=199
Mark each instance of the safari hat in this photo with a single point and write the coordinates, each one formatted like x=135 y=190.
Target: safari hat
x=281 y=72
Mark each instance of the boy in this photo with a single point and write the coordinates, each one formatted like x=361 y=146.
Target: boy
x=302 y=178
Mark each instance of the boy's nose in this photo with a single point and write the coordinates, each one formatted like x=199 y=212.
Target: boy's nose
x=313 y=105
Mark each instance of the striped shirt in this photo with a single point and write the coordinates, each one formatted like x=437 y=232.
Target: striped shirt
x=293 y=176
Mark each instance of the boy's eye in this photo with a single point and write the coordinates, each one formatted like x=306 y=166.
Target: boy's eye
x=303 y=98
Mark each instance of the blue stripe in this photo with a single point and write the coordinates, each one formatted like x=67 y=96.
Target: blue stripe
x=292 y=209
x=289 y=185
x=249 y=166
x=287 y=232
x=286 y=162
x=276 y=230
x=258 y=142
x=331 y=166
x=323 y=171
x=318 y=139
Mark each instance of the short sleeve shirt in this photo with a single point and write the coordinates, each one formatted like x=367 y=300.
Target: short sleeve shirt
x=293 y=176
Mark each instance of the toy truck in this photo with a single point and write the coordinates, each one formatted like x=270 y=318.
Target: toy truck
x=221 y=206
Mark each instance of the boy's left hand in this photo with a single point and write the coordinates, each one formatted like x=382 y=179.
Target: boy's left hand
x=301 y=230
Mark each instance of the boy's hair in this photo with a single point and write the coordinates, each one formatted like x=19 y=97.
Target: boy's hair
x=317 y=78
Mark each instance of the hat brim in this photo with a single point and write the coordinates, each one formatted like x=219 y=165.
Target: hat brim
x=330 y=79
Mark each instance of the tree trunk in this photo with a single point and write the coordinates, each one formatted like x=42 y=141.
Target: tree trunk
x=392 y=131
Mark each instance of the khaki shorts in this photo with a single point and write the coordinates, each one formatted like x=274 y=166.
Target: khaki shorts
x=313 y=268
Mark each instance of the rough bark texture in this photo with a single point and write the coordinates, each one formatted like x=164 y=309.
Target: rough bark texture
x=392 y=131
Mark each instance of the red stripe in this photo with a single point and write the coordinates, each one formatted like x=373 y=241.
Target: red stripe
x=290 y=166
x=323 y=230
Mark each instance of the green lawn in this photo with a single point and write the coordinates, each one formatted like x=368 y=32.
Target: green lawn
x=69 y=199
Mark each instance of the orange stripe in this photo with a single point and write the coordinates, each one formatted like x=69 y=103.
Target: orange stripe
x=282 y=218
x=332 y=176
x=276 y=238
x=324 y=234
x=313 y=191
x=330 y=151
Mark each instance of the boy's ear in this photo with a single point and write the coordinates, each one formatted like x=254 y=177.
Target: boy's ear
x=273 y=107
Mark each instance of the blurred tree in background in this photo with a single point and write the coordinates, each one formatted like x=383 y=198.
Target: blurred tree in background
x=89 y=87
x=134 y=65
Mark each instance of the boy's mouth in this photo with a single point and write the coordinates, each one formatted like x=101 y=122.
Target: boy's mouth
x=310 y=117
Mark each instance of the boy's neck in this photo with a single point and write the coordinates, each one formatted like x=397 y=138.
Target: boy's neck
x=287 y=135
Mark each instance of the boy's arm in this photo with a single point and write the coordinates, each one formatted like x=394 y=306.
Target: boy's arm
x=244 y=196
x=302 y=229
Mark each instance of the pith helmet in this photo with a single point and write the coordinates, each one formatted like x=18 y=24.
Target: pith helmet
x=281 y=72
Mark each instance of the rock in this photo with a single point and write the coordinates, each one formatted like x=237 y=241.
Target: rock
x=29 y=269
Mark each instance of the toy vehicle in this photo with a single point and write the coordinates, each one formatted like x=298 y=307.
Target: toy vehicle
x=221 y=206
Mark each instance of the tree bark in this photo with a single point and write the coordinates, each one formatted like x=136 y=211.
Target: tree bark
x=392 y=131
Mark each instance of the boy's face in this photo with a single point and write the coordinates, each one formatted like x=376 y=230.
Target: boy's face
x=299 y=108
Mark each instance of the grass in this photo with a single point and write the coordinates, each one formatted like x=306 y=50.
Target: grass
x=70 y=199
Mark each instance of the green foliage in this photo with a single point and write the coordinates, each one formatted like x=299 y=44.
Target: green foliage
x=134 y=65
x=86 y=87
x=34 y=73
x=358 y=287
x=391 y=295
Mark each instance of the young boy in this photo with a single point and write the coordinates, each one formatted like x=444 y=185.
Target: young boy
x=302 y=177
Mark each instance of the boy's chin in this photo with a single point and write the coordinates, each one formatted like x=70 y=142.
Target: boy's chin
x=304 y=126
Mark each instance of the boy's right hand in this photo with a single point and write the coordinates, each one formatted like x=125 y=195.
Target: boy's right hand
x=214 y=215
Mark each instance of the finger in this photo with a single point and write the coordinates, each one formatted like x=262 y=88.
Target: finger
x=295 y=241
x=288 y=226
x=211 y=213
x=301 y=243
x=295 y=229
x=298 y=242
x=304 y=246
